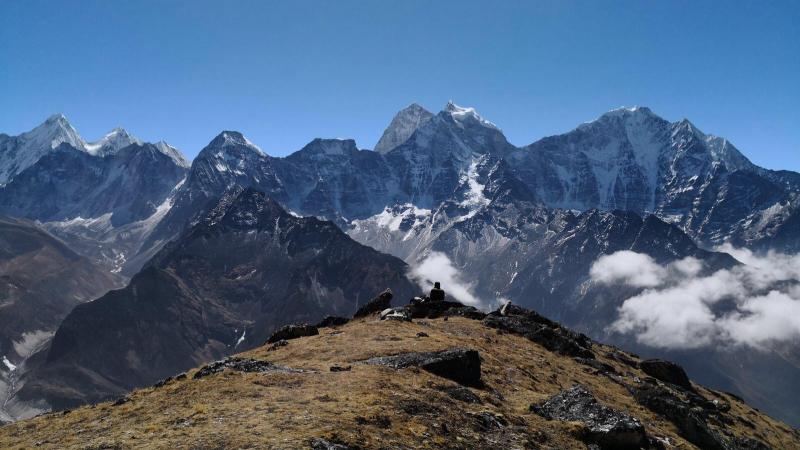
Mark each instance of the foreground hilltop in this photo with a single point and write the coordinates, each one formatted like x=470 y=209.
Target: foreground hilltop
x=426 y=376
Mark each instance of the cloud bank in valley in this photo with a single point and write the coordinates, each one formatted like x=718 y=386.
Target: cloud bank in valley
x=681 y=306
x=438 y=267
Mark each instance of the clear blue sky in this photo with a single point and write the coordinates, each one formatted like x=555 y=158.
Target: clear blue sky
x=284 y=73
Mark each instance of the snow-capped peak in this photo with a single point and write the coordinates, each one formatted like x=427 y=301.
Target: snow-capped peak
x=55 y=131
x=234 y=138
x=112 y=142
x=626 y=113
x=461 y=114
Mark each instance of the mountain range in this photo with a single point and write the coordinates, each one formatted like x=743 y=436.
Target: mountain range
x=520 y=223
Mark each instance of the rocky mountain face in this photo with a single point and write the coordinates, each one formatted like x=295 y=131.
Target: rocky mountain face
x=521 y=223
x=102 y=198
x=245 y=268
x=429 y=375
x=403 y=125
x=41 y=280
x=633 y=160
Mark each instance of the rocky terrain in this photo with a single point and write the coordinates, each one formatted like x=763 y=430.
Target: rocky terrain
x=41 y=280
x=524 y=223
x=245 y=269
x=424 y=376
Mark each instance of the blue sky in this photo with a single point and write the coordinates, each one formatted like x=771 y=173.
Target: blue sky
x=286 y=72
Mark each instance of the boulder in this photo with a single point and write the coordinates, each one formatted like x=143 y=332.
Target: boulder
x=536 y=328
x=293 y=331
x=332 y=321
x=690 y=419
x=459 y=364
x=666 y=371
x=605 y=427
x=400 y=314
x=376 y=305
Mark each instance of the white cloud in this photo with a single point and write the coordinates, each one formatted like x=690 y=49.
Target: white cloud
x=438 y=267
x=755 y=304
x=631 y=268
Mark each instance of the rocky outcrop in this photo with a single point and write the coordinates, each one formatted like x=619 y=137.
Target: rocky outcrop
x=399 y=314
x=376 y=305
x=459 y=364
x=691 y=415
x=666 y=371
x=604 y=426
x=422 y=308
x=292 y=331
x=241 y=365
x=541 y=330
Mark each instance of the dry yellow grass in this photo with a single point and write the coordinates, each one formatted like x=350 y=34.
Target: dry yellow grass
x=368 y=406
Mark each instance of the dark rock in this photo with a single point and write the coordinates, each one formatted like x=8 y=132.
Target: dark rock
x=341 y=368
x=460 y=364
x=545 y=332
x=293 y=331
x=277 y=345
x=399 y=314
x=691 y=421
x=744 y=443
x=487 y=421
x=242 y=365
x=666 y=371
x=332 y=321
x=601 y=366
x=606 y=427
x=461 y=393
x=623 y=358
x=422 y=334
x=423 y=308
x=324 y=444
x=181 y=376
x=121 y=401
x=376 y=305
x=162 y=382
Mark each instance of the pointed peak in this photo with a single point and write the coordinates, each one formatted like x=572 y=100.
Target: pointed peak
x=415 y=108
x=173 y=153
x=685 y=125
x=466 y=114
x=403 y=125
x=57 y=118
x=113 y=141
x=233 y=139
x=53 y=132
x=245 y=208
